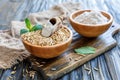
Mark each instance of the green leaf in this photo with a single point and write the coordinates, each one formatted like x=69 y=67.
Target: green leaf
x=28 y=23
x=22 y=31
x=85 y=50
x=36 y=27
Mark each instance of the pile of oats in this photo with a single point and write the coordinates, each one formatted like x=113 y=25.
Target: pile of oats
x=36 y=38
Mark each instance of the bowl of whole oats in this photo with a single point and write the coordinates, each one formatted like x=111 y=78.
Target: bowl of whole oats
x=90 y=23
x=47 y=42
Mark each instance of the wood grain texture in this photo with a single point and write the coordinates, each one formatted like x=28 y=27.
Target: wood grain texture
x=108 y=63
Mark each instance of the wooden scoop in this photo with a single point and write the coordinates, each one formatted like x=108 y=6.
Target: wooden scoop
x=51 y=26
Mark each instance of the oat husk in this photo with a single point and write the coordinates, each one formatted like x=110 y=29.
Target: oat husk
x=11 y=47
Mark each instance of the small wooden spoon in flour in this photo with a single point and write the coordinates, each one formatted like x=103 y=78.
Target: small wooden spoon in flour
x=51 y=26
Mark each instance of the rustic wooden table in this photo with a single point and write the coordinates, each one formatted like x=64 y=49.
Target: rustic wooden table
x=108 y=63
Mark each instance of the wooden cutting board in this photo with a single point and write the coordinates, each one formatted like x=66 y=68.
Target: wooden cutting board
x=69 y=60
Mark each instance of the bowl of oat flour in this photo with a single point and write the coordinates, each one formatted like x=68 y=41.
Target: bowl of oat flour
x=90 y=23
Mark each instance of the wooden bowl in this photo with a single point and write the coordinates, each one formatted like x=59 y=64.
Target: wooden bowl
x=48 y=51
x=89 y=30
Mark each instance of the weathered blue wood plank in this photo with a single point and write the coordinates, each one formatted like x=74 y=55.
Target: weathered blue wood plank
x=108 y=64
x=112 y=59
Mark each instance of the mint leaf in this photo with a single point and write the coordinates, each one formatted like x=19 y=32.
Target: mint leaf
x=30 y=27
x=37 y=27
x=85 y=50
x=22 y=31
x=28 y=24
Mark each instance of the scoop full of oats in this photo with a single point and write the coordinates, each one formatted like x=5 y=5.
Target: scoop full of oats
x=51 y=26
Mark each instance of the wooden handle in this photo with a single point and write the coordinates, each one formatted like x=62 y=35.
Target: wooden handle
x=113 y=29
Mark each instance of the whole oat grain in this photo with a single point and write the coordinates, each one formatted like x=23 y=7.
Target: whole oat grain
x=36 y=38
